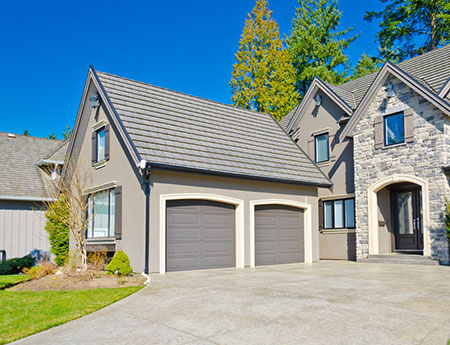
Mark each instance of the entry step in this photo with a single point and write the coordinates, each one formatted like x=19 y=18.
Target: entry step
x=404 y=259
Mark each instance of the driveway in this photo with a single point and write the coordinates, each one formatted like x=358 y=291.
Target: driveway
x=329 y=302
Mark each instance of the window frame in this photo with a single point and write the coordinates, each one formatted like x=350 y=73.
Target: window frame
x=343 y=214
x=90 y=213
x=328 y=147
x=385 y=137
x=97 y=142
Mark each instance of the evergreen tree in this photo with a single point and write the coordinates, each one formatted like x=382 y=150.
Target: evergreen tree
x=366 y=65
x=58 y=231
x=51 y=136
x=411 y=27
x=26 y=133
x=263 y=77
x=315 y=45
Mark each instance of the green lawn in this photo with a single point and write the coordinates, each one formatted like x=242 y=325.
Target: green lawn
x=11 y=280
x=26 y=313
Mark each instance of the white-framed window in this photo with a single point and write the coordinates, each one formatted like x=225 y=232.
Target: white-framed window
x=101 y=144
x=101 y=214
x=321 y=148
x=339 y=213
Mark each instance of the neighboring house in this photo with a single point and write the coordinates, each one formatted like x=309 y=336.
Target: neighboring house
x=27 y=166
x=179 y=182
x=384 y=142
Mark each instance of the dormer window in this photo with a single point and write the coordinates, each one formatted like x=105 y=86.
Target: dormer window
x=322 y=147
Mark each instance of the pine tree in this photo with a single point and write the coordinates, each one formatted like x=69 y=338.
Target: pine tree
x=411 y=27
x=315 y=45
x=366 y=65
x=263 y=78
x=67 y=132
x=26 y=133
x=51 y=136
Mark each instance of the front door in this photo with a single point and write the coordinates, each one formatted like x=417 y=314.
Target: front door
x=407 y=212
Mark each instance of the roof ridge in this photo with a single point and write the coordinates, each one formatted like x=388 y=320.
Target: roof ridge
x=181 y=93
x=29 y=136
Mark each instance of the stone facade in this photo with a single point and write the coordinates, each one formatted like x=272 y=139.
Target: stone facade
x=423 y=158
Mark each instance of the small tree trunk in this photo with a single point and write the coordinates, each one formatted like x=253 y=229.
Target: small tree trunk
x=433 y=40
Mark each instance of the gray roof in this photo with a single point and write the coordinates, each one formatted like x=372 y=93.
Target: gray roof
x=20 y=176
x=286 y=118
x=174 y=130
x=431 y=69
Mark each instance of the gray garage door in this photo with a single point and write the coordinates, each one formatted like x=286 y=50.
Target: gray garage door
x=278 y=235
x=200 y=234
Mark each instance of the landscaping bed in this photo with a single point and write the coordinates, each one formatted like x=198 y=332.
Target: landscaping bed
x=81 y=281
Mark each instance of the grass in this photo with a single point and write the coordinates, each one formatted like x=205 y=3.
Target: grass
x=10 y=280
x=25 y=313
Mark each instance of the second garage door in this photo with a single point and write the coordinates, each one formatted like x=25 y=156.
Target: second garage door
x=200 y=234
x=279 y=235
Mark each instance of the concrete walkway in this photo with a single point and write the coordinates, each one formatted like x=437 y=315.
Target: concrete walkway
x=323 y=303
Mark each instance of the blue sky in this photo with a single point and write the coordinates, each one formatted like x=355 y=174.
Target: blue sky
x=187 y=46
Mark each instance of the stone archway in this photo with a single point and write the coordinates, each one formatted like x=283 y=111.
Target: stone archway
x=373 y=209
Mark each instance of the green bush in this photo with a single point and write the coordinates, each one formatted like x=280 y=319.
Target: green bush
x=120 y=264
x=58 y=231
x=16 y=265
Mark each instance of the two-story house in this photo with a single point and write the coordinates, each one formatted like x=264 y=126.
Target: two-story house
x=383 y=140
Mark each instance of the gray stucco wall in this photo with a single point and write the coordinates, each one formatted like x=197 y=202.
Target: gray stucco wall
x=22 y=227
x=422 y=158
x=334 y=244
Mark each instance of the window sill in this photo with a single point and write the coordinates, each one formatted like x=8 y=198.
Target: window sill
x=338 y=230
x=386 y=147
x=323 y=164
x=101 y=240
x=100 y=164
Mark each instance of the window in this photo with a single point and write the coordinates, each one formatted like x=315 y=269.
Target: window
x=394 y=129
x=101 y=214
x=321 y=147
x=339 y=214
x=101 y=147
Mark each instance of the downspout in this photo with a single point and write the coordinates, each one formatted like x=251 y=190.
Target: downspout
x=147 y=172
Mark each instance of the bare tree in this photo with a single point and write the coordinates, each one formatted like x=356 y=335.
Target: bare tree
x=70 y=189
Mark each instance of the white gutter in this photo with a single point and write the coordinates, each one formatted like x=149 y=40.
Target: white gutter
x=25 y=198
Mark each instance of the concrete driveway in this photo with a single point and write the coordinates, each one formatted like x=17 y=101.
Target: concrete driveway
x=323 y=303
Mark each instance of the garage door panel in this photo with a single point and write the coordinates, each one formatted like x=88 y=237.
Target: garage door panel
x=205 y=240
x=279 y=235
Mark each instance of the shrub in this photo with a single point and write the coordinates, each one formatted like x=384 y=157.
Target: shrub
x=120 y=264
x=16 y=265
x=58 y=231
x=43 y=269
x=97 y=259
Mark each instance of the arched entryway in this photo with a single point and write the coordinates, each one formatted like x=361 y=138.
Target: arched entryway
x=398 y=216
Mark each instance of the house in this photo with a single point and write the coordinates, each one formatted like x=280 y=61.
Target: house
x=27 y=167
x=384 y=142
x=179 y=182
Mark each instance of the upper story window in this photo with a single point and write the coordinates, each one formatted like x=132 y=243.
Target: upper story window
x=322 y=148
x=339 y=213
x=101 y=214
x=101 y=144
x=394 y=129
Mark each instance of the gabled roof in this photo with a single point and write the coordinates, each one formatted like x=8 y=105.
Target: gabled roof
x=430 y=70
x=177 y=131
x=312 y=90
x=56 y=155
x=20 y=177
x=407 y=79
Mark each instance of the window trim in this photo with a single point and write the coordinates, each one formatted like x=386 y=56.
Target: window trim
x=91 y=208
x=385 y=138
x=343 y=214
x=328 y=147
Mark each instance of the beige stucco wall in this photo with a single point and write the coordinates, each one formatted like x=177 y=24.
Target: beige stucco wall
x=118 y=169
x=333 y=244
x=171 y=182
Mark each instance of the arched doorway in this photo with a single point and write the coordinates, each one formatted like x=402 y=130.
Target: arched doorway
x=398 y=216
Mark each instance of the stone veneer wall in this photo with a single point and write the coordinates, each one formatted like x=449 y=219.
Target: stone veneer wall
x=423 y=158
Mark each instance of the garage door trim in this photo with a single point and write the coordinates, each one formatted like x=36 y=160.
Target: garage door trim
x=307 y=225
x=200 y=196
